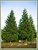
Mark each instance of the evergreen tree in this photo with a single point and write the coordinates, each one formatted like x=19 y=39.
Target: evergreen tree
x=26 y=27
x=33 y=31
x=9 y=33
x=23 y=26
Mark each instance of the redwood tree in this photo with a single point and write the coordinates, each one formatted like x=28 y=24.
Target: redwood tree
x=9 y=33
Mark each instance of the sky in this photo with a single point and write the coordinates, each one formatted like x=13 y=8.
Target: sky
x=18 y=7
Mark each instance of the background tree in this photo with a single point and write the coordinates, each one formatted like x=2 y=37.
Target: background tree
x=9 y=33
x=32 y=28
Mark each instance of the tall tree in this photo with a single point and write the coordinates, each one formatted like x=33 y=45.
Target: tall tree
x=32 y=26
x=31 y=30
x=9 y=33
x=23 y=26
x=26 y=27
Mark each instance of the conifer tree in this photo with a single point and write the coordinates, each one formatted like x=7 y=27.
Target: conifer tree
x=26 y=27
x=9 y=33
x=33 y=31
x=23 y=26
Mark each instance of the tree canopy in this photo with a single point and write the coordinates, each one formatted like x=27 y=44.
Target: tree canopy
x=9 y=33
x=25 y=30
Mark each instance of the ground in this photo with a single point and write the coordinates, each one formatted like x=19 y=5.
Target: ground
x=18 y=45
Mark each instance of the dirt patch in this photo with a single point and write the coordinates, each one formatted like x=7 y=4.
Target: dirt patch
x=18 y=45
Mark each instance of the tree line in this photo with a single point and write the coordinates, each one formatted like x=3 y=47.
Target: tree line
x=25 y=30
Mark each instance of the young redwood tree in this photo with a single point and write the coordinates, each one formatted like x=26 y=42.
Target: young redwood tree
x=26 y=27
x=23 y=26
x=32 y=29
x=9 y=33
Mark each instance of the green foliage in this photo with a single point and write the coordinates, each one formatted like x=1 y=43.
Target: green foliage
x=26 y=27
x=23 y=25
x=33 y=31
x=25 y=30
x=9 y=33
